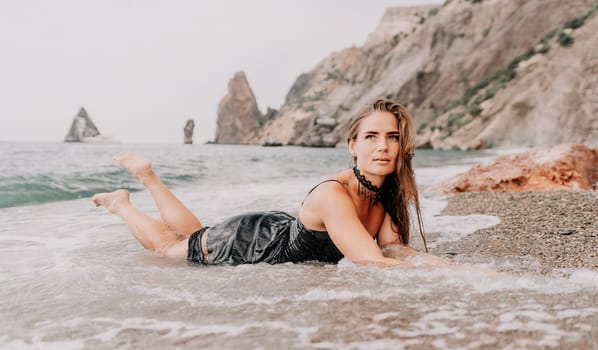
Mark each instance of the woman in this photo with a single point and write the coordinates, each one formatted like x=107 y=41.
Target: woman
x=352 y=214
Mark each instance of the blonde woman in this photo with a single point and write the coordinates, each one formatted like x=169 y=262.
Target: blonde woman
x=352 y=214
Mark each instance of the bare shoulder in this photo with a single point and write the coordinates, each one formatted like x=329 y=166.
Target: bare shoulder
x=331 y=193
x=330 y=188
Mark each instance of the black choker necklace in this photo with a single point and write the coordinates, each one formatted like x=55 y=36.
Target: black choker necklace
x=366 y=188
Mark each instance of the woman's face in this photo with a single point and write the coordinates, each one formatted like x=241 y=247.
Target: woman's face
x=377 y=144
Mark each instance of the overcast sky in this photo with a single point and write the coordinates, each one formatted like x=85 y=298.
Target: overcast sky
x=142 y=68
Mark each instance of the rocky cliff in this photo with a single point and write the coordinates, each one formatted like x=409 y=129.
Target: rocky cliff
x=474 y=74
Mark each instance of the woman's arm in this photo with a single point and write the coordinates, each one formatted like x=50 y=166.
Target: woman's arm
x=391 y=246
x=386 y=234
x=337 y=212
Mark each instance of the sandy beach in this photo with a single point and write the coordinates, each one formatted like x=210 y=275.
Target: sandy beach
x=539 y=231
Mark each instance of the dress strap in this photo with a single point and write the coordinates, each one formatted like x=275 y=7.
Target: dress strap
x=316 y=186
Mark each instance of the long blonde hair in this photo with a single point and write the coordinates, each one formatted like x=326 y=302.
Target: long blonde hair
x=399 y=190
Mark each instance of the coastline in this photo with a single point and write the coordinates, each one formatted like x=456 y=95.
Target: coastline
x=538 y=231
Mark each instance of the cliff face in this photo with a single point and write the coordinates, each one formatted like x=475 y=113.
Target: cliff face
x=473 y=73
x=541 y=92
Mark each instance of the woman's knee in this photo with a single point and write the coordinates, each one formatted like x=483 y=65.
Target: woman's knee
x=175 y=248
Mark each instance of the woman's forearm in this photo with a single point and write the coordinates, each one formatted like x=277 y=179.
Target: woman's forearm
x=385 y=262
x=400 y=251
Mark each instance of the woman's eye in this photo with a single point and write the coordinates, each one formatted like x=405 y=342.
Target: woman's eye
x=370 y=137
x=394 y=137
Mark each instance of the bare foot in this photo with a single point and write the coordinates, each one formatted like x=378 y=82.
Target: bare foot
x=135 y=164
x=112 y=200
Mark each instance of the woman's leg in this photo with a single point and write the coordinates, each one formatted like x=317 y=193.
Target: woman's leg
x=151 y=233
x=172 y=211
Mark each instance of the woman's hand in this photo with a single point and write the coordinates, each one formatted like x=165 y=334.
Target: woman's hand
x=399 y=251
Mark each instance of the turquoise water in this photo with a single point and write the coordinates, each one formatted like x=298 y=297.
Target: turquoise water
x=33 y=173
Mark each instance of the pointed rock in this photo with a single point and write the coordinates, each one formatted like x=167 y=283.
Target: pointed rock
x=239 y=118
x=82 y=127
x=188 y=131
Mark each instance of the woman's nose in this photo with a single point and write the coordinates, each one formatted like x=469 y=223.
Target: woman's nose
x=382 y=144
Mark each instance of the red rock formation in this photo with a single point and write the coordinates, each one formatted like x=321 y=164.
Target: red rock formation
x=567 y=166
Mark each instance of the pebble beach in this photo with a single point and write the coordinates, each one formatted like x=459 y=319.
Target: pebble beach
x=538 y=231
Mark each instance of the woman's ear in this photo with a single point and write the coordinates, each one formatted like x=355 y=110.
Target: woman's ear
x=352 y=147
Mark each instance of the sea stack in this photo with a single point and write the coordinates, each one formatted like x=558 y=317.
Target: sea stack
x=239 y=119
x=188 y=131
x=81 y=128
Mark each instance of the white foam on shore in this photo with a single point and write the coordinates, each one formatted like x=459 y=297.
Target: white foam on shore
x=12 y=344
x=480 y=279
x=450 y=228
x=381 y=344
x=175 y=330
x=429 y=177
x=446 y=228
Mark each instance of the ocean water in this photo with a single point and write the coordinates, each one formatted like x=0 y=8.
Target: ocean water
x=73 y=277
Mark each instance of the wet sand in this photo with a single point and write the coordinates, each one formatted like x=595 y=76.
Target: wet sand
x=539 y=231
